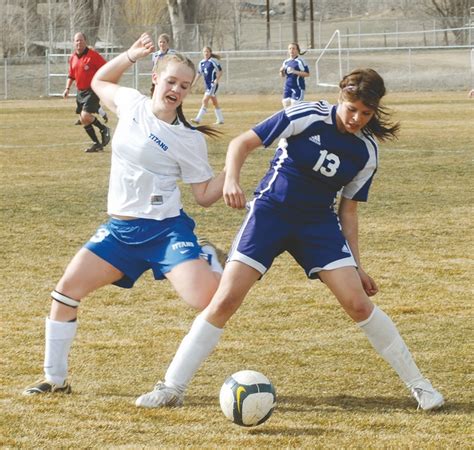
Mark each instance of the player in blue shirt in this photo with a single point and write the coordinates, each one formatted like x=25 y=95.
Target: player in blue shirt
x=164 y=48
x=295 y=70
x=322 y=150
x=210 y=68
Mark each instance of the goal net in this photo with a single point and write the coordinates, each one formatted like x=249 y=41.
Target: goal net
x=329 y=63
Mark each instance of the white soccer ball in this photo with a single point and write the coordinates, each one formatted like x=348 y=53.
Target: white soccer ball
x=247 y=398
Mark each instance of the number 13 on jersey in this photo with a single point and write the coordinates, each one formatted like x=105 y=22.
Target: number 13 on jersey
x=330 y=168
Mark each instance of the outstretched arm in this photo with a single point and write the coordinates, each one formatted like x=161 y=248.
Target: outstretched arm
x=239 y=148
x=105 y=81
x=350 y=228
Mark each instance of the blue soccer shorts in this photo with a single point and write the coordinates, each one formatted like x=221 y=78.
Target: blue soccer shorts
x=211 y=90
x=295 y=94
x=134 y=246
x=315 y=243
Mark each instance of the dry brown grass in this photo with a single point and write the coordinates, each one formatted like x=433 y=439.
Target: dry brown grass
x=333 y=391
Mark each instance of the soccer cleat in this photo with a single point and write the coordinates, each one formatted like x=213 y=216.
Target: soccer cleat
x=161 y=396
x=78 y=122
x=221 y=255
x=427 y=396
x=105 y=117
x=94 y=148
x=105 y=133
x=47 y=387
x=195 y=121
x=219 y=122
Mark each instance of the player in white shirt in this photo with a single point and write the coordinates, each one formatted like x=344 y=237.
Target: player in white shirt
x=153 y=148
x=322 y=150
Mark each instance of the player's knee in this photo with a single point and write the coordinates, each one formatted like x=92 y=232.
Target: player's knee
x=65 y=299
x=358 y=308
x=225 y=306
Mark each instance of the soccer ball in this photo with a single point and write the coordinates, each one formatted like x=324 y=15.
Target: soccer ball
x=247 y=398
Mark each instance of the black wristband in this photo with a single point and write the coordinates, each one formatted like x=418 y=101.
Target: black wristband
x=130 y=59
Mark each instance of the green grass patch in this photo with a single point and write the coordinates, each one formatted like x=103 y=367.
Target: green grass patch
x=333 y=390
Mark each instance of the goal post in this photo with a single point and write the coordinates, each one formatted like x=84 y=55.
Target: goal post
x=328 y=65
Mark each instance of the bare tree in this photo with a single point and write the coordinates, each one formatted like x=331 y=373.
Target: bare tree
x=182 y=12
x=85 y=16
x=237 y=18
x=453 y=13
x=135 y=15
x=30 y=23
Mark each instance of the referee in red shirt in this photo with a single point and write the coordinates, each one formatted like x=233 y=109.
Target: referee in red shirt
x=83 y=64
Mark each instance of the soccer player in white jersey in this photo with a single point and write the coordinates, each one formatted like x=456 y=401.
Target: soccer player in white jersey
x=295 y=70
x=323 y=150
x=210 y=68
x=153 y=148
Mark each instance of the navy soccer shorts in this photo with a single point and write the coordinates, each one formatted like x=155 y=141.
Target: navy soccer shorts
x=316 y=243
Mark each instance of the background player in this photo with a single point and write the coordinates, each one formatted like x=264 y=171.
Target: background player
x=210 y=68
x=295 y=70
x=164 y=48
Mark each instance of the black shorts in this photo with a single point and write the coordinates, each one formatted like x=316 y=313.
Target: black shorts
x=88 y=101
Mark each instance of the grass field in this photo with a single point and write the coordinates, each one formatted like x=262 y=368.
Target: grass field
x=333 y=390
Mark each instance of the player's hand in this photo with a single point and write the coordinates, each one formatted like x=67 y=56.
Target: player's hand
x=144 y=46
x=369 y=285
x=233 y=195
x=66 y=93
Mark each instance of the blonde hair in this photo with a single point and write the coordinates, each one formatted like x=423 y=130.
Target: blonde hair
x=165 y=37
x=368 y=86
x=182 y=59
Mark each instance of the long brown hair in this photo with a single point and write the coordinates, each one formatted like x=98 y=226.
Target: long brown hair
x=297 y=48
x=182 y=59
x=213 y=55
x=368 y=86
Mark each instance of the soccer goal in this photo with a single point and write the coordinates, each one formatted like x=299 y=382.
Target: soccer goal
x=329 y=63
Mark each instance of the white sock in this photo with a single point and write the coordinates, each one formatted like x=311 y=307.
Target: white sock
x=385 y=338
x=101 y=111
x=219 y=116
x=215 y=264
x=201 y=113
x=194 y=349
x=59 y=337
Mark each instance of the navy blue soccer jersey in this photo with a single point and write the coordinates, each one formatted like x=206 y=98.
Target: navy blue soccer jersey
x=294 y=81
x=314 y=161
x=208 y=68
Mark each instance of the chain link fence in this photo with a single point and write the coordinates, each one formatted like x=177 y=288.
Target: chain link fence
x=422 y=66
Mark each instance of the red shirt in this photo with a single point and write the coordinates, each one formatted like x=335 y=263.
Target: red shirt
x=82 y=68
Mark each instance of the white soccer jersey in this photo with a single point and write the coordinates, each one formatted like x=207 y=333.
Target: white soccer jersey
x=149 y=157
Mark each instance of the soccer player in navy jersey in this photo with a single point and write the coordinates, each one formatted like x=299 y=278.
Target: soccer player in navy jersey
x=295 y=70
x=210 y=68
x=323 y=150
